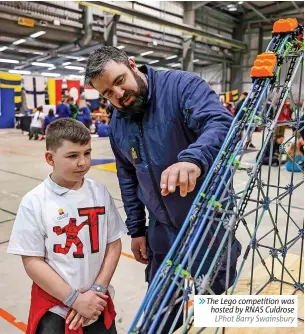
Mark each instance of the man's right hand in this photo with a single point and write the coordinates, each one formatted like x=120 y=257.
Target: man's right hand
x=90 y=304
x=138 y=247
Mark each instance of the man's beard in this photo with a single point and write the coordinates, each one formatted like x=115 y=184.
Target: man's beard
x=138 y=105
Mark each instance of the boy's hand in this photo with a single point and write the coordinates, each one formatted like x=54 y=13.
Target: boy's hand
x=90 y=304
x=76 y=320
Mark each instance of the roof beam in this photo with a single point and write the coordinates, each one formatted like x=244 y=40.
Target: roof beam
x=295 y=5
x=187 y=29
x=199 y=4
x=257 y=11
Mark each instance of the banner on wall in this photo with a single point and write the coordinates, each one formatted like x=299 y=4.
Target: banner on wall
x=35 y=91
x=54 y=91
x=8 y=80
x=73 y=88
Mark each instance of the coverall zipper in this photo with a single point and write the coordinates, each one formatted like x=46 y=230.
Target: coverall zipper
x=154 y=182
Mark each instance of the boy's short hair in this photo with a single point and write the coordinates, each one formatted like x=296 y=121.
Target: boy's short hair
x=66 y=129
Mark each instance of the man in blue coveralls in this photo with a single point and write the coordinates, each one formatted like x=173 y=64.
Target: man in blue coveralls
x=166 y=130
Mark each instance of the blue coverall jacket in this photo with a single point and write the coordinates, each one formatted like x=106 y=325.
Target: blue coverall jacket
x=184 y=121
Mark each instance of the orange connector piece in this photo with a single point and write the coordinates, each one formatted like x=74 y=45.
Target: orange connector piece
x=263 y=65
x=285 y=25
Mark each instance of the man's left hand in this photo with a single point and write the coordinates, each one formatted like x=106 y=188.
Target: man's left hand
x=182 y=174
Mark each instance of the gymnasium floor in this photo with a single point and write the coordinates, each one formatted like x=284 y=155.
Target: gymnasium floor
x=22 y=167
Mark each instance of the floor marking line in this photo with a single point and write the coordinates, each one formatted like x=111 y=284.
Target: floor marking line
x=5 y=150
x=7 y=220
x=11 y=213
x=12 y=320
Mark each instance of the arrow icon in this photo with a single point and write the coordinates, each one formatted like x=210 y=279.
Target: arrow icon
x=201 y=301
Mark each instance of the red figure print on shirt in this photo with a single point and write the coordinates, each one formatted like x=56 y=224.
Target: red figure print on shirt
x=71 y=230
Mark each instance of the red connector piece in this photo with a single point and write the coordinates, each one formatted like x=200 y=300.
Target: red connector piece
x=285 y=25
x=263 y=65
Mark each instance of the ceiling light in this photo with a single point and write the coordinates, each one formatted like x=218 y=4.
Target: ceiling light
x=155 y=42
x=50 y=74
x=12 y=61
x=132 y=57
x=240 y=2
x=42 y=64
x=75 y=76
x=69 y=57
x=81 y=58
x=20 y=72
x=175 y=65
x=3 y=48
x=232 y=9
x=120 y=47
x=37 y=34
x=154 y=62
x=146 y=53
x=231 y=5
x=74 y=68
x=67 y=63
x=171 y=57
x=37 y=53
x=51 y=68
x=195 y=60
x=19 y=41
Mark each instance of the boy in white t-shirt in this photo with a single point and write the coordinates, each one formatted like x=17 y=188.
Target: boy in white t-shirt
x=68 y=232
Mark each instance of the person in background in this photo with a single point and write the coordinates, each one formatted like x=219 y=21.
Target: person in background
x=86 y=115
x=277 y=141
x=285 y=115
x=37 y=124
x=62 y=109
x=103 y=129
x=295 y=160
x=239 y=104
x=49 y=119
x=98 y=121
x=73 y=107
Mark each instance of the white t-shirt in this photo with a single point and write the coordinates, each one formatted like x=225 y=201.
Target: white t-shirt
x=70 y=228
x=37 y=119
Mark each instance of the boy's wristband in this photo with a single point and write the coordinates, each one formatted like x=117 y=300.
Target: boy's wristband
x=99 y=288
x=71 y=298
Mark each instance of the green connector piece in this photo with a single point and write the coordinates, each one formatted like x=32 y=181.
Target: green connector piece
x=203 y=195
x=257 y=118
x=217 y=205
x=224 y=152
x=236 y=162
x=184 y=273
x=231 y=158
x=210 y=200
x=169 y=262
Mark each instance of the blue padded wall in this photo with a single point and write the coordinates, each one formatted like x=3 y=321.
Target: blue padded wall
x=7 y=108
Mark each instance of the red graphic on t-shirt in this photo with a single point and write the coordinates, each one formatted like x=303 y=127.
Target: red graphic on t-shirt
x=71 y=231
x=93 y=214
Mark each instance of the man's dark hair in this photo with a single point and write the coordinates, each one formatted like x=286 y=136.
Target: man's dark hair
x=98 y=60
x=66 y=129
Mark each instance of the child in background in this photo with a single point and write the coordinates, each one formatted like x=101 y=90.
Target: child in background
x=49 y=119
x=277 y=141
x=62 y=109
x=103 y=129
x=68 y=232
x=295 y=154
x=37 y=124
x=73 y=107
